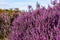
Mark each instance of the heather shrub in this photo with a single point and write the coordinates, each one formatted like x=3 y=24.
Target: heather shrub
x=41 y=24
x=4 y=25
x=6 y=19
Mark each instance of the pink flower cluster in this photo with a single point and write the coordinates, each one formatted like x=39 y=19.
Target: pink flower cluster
x=41 y=24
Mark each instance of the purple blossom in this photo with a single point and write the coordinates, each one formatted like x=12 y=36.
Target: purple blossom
x=41 y=24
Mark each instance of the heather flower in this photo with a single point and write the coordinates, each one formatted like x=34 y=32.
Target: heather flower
x=4 y=25
x=41 y=24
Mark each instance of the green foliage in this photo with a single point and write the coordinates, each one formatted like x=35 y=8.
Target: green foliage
x=10 y=12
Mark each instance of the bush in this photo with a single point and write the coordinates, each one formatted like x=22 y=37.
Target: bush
x=41 y=24
x=4 y=26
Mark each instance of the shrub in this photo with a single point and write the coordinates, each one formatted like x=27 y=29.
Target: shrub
x=41 y=24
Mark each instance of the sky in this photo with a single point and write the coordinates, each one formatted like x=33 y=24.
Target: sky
x=22 y=4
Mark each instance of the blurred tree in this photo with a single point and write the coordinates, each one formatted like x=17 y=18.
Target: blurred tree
x=0 y=10
x=37 y=5
x=17 y=9
x=29 y=8
x=53 y=2
x=10 y=11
